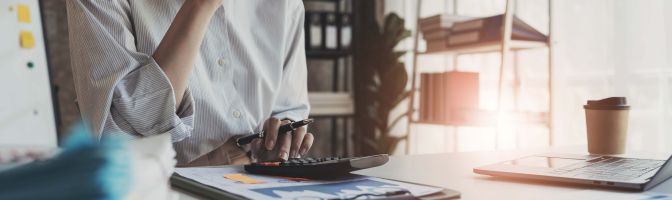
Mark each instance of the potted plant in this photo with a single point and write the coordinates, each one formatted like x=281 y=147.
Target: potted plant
x=380 y=82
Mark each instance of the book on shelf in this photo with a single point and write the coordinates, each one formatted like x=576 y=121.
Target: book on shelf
x=440 y=34
x=436 y=29
x=439 y=90
x=439 y=22
x=443 y=93
x=435 y=45
x=488 y=29
x=461 y=91
x=424 y=85
x=430 y=97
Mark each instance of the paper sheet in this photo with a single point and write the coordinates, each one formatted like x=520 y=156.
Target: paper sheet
x=242 y=179
x=287 y=188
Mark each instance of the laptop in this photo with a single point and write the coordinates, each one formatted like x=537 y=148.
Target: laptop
x=606 y=171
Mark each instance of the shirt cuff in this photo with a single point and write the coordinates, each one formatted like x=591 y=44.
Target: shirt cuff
x=145 y=99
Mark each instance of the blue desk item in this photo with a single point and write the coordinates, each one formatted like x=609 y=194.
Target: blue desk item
x=85 y=169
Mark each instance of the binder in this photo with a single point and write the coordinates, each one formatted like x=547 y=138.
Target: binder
x=438 y=22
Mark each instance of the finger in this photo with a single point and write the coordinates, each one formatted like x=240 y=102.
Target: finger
x=297 y=139
x=256 y=150
x=271 y=129
x=306 y=144
x=285 y=140
x=285 y=143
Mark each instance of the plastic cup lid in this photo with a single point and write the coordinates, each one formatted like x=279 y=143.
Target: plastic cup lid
x=611 y=103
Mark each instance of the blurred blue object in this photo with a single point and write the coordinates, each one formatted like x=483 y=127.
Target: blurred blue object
x=85 y=169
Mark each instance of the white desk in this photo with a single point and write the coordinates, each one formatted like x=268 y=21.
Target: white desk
x=454 y=171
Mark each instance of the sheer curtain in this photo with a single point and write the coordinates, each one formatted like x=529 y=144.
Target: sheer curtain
x=602 y=48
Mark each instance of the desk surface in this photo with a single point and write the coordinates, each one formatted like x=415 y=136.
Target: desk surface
x=454 y=171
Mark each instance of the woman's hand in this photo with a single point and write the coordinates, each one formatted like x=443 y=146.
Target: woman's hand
x=281 y=146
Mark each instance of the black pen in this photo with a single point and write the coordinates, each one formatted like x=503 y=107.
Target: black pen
x=283 y=129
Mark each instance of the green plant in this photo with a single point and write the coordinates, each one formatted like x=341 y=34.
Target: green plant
x=380 y=83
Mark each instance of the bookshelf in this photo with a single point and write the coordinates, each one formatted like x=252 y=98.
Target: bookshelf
x=327 y=26
x=485 y=118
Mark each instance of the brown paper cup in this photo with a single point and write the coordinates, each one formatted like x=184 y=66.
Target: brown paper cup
x=607 y=130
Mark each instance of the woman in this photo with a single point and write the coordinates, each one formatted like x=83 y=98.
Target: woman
x=203 y=71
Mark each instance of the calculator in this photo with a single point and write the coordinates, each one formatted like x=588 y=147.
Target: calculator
x=316 y=168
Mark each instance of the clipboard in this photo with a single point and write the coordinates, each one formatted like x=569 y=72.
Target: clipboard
x=209 y=192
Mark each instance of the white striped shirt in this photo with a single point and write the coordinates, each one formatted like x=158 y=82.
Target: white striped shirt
x=251 y=66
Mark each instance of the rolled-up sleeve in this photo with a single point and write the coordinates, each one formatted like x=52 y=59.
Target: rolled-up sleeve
x=292 y=100
x=119 y=89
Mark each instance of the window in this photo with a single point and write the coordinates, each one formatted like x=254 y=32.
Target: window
x=601 y=49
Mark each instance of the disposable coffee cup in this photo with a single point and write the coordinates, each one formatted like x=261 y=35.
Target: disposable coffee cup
x=607 y=124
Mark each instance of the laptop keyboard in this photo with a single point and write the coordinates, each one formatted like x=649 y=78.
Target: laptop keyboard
x=610 y=168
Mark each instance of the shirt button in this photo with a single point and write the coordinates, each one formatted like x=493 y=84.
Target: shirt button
x=236 y=114
x=221 y=62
